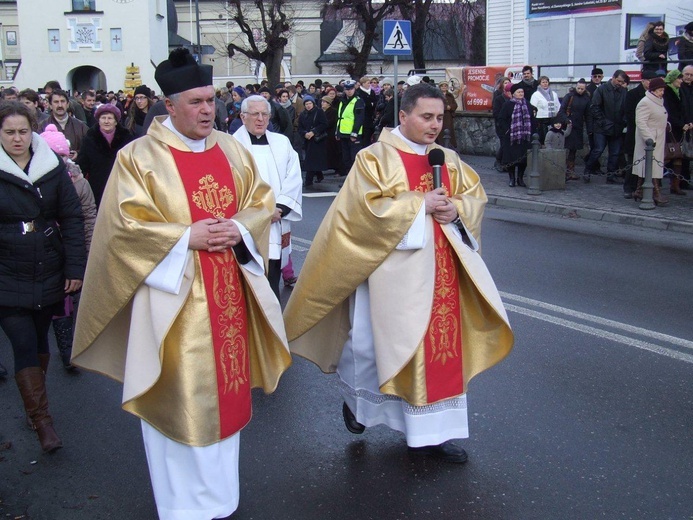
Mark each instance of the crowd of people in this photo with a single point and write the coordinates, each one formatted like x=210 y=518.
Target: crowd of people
x=611 y=115
x=172 y=234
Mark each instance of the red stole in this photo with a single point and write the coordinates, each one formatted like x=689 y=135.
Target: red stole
x=211 y=191
x=443 y=339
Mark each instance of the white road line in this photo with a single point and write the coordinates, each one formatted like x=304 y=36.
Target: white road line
x=320 y=194
x=601 y=321
x=611 y=336
x=301 y=240
x=619 y=338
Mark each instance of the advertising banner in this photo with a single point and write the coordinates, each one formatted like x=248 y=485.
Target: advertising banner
x=558 y=7
x=473 y=86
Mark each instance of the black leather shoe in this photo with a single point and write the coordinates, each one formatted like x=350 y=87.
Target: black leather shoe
x=448 y=452
x=350 y=421
x=3 y=371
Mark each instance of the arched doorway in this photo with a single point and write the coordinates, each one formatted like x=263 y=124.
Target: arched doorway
x=86 y=77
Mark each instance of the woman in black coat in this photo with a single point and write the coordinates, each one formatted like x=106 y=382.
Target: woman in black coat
x=500 y=96
x=676 y=119
x=312 y=127
x=656 y=48
x=100 y=147
x=575 y=107
x=42 y=255
x=515 y=125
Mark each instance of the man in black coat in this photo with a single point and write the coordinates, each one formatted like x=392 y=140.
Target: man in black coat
x=633 y=97
x=528 y=83
x=608 y=122
x=686 y=91
x=370 y=99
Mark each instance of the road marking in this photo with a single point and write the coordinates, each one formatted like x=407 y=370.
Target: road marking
x=587 y=329
x=321 y=194
x=611 y=336
x=601 y=321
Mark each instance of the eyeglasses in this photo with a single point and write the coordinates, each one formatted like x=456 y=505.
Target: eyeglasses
x=257 y=115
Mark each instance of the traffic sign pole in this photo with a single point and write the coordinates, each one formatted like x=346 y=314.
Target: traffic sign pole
x=396 y=38
x=395 y=87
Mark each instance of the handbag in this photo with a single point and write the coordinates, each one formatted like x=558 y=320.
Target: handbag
x=672 y=148
x=317 y=137
x=687 y=144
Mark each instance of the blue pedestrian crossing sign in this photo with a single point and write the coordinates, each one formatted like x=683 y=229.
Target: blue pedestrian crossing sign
x=396 y=37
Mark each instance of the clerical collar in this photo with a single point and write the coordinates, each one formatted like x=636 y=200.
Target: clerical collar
x=419 y=149
x=258 y=140
x=196 y=145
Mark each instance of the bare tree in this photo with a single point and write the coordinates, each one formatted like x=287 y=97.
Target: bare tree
x=369 y=14
x=265 y=27
x=448 y=25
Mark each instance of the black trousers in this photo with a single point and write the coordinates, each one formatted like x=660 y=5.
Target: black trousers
x=274 y=274
x=27 y=331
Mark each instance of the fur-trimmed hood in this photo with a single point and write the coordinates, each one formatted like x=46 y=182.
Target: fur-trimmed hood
x=42 y=162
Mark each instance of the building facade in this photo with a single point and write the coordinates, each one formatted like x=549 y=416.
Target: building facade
x=599 y=32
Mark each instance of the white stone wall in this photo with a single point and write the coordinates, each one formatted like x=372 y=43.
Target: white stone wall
x=143 y=37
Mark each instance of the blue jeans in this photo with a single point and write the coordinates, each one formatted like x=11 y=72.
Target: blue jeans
x=600 y=143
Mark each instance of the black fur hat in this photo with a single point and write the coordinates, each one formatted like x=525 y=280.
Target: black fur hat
x=180 y=72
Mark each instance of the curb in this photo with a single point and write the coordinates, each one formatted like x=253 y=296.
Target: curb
x=592 y=214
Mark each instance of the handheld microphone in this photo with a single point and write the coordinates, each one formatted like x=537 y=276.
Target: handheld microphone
x=436 y=159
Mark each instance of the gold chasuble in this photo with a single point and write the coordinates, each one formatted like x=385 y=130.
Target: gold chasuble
x=188 y=360
x=436 y=315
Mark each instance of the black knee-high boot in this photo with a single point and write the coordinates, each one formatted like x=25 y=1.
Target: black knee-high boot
x=511 y=174
x=63 y=337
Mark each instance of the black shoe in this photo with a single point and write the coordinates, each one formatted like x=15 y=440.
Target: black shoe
x=3 y=371
x=627 y=194
x=320 y=178
x=350 y=421
x=447 y=451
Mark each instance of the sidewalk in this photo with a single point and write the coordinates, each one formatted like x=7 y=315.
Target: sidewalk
x=593 y=201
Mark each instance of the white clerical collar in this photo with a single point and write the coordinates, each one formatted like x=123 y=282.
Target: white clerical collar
x=196 y=145
x=420 y=149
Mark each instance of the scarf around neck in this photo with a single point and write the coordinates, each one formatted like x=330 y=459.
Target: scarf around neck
x=520 y=124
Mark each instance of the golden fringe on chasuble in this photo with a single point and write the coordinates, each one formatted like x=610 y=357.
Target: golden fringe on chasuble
x=357 y=240
x=158 y=344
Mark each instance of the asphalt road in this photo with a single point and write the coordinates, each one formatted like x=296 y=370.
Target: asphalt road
x=591 y=416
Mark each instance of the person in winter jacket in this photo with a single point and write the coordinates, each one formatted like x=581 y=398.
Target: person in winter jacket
x=100 y=147
x=42 y=240
x=63 y=323
x=656 y=48
x=608 y=121
x=685 y=47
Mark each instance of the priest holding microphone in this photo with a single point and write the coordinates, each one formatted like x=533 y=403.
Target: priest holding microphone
x=414 y=313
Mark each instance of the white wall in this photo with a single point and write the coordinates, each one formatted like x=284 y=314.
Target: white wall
x=144 y=42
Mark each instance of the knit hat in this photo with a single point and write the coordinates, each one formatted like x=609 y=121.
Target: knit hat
x=515 y=87
x=56 y=140
x=143 y=90
x=240 y=91
x=264 y=89
x=180 y=72
x=508 y=86
x=673 y=75
x=413 y=80
x=308 y=98
x=649 y=74
x=107 y=107
x=327 y=100
x=656 y=83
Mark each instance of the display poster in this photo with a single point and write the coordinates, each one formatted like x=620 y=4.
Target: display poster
x=473 y=86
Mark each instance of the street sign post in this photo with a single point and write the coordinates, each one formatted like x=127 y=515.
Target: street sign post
x=396 y=42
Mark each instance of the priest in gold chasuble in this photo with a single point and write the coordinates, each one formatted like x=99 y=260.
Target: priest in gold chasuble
x=176 y=304
x=413 y=314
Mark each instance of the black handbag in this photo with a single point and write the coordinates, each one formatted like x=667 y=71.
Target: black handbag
x=317 y=137
x=672 y=148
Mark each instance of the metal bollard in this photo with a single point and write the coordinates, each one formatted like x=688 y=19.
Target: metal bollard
x=446 y=138
x=647 y=186
x=534 y=180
